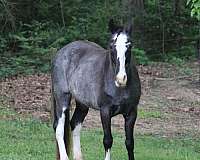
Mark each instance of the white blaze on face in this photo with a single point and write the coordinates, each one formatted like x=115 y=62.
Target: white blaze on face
x=121 y=48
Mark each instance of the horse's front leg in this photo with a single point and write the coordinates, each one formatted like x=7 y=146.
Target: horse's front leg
x=106 y=123
x=129 y=128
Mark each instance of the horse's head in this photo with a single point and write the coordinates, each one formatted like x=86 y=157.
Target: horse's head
x=120 y=49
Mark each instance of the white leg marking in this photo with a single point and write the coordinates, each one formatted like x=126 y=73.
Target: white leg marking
x=60 y=137
x=76 y=142
x=108 y=155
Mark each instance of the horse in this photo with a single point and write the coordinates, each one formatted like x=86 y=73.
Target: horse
x=103 y=79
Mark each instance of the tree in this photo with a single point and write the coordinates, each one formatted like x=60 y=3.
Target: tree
x=195 y=6
x=7 y=17
x=177 y=7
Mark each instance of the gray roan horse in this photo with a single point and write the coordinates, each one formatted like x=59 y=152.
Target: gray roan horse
x=106 y=80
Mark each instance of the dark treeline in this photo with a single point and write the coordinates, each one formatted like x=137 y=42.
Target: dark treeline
x=161 y=27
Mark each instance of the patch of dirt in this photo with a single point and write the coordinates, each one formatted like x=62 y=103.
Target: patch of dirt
x=166 y=89
x=28 y=94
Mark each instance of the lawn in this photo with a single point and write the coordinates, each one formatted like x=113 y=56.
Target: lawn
x=29 y=139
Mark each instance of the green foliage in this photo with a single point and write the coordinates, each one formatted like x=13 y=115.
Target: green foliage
x=140 y=56
x=29 y=50
x=180 y=63
x=186 y=52
x=23 y=64
x=175 y=60
x=31 y=31
x=164 y=31
x=179 y=58
x=3 y=44
x=195 y=6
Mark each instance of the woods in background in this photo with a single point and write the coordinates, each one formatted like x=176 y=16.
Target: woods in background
x=32 y=28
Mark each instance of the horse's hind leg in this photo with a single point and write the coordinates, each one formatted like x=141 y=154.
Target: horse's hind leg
x=62 y=107
x=76 y=122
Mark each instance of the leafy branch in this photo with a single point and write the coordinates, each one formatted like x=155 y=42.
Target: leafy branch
x=195 y=6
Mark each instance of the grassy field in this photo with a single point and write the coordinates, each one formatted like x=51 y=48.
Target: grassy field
x=29 y=139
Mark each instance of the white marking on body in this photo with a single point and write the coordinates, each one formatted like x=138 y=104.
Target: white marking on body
x=121 y=48
x=76 y=143
x=108 y=155
x=60 y=137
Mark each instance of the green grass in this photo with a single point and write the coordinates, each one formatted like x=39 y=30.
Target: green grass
x=22 y=139
x=148 y=114
x=28 y=139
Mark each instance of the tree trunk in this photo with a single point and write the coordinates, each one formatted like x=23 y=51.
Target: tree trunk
x=162 y=23
x=137 y=5
x=177 y=7
x=132 y=8
x=62 y=13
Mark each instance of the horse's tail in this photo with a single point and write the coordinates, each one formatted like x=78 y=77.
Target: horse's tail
x=67 y=130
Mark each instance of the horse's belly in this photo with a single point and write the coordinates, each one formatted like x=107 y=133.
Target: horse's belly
x=85 y=94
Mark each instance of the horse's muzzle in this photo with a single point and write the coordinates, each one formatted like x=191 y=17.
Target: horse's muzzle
x=121 y=80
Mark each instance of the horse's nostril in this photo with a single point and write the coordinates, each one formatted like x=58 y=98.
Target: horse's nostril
x=124 y=78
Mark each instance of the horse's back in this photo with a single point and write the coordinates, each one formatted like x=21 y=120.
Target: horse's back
x=81 y=47
x=77 y=49
x=78 y=68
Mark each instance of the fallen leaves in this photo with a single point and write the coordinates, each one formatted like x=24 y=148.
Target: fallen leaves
x=27 y=93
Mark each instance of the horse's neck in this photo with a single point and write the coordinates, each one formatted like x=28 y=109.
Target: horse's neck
x=110 y=69
x=109 y=78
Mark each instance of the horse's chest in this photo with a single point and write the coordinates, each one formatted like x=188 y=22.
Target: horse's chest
x=121 y=100
x=120 y=106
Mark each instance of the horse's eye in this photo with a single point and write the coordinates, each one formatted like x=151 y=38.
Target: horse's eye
x=129 y=46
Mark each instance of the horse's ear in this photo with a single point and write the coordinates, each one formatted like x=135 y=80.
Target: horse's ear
x=129 y=29
x=112 y=26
